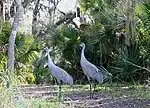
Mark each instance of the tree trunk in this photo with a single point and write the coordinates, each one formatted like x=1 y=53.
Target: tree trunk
x=13 y=33
x=133 y=14
x=34 y=20
x=2 y=10
x=127 y=36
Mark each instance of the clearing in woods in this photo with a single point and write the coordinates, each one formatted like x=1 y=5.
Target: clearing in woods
x=105 y=96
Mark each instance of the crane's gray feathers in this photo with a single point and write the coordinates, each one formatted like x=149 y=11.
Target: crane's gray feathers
x=90 y=70
x=57 y=72
x=99 y=77
x=106 y=74
x=61 y=75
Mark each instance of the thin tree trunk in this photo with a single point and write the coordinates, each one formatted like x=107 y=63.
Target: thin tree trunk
x=13 y=33
x=127 y=36
x=133 y=14
x=2 y=10
x=34 y=20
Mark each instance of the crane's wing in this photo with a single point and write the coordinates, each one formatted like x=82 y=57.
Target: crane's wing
x=92 y=71
x=63 y=75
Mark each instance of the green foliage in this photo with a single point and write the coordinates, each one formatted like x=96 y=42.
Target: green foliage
x=146 y=9
x=123 y=69
x=109 y=49
x=104 y=37
x=64 y=43
x=12 y=95
x=4 y=32
x=42 y=74
x=4 y=37
x=26 y=52
x=97 y=5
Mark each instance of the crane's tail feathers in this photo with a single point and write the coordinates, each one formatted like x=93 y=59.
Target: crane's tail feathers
x=107 y=76
x=105 y=71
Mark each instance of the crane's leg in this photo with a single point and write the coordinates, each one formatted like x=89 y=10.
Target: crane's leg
x=59 y=95
x=94 y=88
x=90 y=86
x=90 y=90
x=59 y=91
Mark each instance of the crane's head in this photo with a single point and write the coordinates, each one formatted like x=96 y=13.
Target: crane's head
x=46 y=50
x=82 y=45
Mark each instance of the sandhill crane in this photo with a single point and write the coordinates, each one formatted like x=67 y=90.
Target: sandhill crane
x=57 y=72
x=90 y=70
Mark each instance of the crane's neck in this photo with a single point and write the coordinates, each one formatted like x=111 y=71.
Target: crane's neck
x=50 y=62
x=82 y=53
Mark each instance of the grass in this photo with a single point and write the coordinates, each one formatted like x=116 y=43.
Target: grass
x=128 y=91
x=12 y=97
x=119 y=90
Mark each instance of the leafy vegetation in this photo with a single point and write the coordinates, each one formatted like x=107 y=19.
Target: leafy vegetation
x=105 y=38
x=14 y=97
x=116 y=34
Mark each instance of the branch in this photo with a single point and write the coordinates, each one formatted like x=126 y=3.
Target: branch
x=68 y=17
x=135 y=64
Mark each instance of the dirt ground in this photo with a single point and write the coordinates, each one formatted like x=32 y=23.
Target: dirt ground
x=81 y=98
x=101 y=100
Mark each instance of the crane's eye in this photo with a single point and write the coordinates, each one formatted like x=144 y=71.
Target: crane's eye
x=80 y=47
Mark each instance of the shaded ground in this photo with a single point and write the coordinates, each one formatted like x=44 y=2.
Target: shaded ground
x=105 y=98
x=100 y=100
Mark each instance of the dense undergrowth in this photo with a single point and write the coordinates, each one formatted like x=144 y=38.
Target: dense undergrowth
x=104 y=39
x=105 y=45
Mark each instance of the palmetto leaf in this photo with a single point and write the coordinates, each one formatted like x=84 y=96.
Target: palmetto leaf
x=146 y=4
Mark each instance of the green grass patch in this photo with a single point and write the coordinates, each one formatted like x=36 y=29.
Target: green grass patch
x=126 y=91
x=115 y=90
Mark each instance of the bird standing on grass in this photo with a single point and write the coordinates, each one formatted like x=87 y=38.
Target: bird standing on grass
x=90 y=70
x=57 y=72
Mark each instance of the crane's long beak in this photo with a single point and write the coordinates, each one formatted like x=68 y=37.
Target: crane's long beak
x=41 y=48
x=80 y=45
